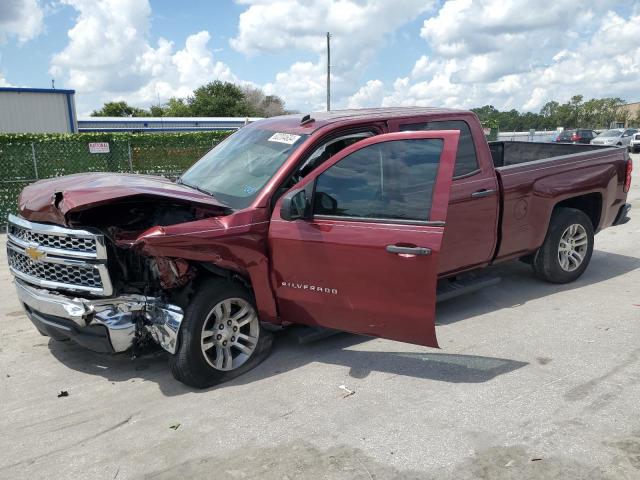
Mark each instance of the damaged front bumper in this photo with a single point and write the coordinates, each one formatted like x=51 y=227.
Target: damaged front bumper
x=109 y=325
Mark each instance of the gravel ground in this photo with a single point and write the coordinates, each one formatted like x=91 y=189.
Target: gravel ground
x=533 y=381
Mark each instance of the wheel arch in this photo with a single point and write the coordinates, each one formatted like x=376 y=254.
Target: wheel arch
x=590 y=204
x=213 y=270
x=264 y=301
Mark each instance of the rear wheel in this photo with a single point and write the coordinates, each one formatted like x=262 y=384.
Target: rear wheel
x=220 y=336
x=567 y=248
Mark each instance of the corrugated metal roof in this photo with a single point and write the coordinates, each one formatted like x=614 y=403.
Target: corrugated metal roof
x=36 y=90
x=164 y=119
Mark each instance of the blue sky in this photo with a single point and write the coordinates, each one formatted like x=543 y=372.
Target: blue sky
x=459 y=53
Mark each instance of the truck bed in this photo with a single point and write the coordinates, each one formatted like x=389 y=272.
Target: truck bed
x=505 y=154
x=536 y=177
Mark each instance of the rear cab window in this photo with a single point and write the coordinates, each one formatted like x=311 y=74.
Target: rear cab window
x=466 y=159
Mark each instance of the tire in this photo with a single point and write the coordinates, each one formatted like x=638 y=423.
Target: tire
x=216 y=304
x=556 y=261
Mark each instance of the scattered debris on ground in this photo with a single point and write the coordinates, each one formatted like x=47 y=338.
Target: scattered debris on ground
x=348 y=392
x=63 y=393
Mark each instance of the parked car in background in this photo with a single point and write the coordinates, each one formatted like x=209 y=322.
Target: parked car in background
x=580 y=135
x=634 y=143
x=618 y=136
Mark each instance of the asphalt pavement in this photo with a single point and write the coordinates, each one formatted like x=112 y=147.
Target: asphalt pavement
x=533 y=381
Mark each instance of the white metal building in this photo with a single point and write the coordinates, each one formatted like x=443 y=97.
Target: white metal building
x=37 y=110
x=161 y=124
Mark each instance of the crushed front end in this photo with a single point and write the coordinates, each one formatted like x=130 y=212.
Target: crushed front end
x=64 y=278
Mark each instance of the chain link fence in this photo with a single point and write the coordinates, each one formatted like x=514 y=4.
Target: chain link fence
x=26 y=158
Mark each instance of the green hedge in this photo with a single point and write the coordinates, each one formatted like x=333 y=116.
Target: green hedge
x=25 y=157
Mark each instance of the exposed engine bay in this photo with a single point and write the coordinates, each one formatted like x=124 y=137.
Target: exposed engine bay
x=123 y=223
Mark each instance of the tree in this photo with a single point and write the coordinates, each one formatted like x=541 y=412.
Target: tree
x=215 y=99
x=176 y=107
x=218 y=99
x=575 y=113
x=156 y=110
x=262 y=105
x=119 y=109
x=549 y=109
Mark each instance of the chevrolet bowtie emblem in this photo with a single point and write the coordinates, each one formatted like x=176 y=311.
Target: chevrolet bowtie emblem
x=34 y=253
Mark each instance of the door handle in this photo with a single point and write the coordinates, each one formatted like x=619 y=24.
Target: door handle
x=408 y=250
x=483 y=193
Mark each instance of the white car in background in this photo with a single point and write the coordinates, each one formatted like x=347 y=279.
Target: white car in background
x=618 y=136
x=634 y=143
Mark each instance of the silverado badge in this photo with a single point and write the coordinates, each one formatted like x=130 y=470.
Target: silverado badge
x=34 y=253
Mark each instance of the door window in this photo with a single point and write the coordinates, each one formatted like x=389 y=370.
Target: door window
x=466 y=161
x=392 y=180
x=325 y=151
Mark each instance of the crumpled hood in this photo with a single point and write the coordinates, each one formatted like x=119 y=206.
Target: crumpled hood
x=52 y=199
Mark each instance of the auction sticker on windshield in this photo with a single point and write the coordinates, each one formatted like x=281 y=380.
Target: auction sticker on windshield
x=287 y=138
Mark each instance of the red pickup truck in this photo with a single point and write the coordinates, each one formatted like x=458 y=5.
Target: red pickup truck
x=349 y=220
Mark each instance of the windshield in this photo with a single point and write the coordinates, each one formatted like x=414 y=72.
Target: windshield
x=237 y=169
x=611 y=133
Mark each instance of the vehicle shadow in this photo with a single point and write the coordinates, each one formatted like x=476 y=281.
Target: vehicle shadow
x=287 y=355
x=518 y=286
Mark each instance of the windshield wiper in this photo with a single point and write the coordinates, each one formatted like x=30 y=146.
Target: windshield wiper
x=201 y=190
x=206 y=192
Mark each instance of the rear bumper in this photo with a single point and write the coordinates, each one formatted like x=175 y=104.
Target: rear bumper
x=623 y=215
x=109 y=325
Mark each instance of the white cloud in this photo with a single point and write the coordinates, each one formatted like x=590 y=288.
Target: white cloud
x=4 y=82
x=509 y=53
x=302 y=85
x=358 y=28
x=21 y=19
x=109 y=57
x=423 y=67
x=490 y=52
x=370 y=95
x=177 y=74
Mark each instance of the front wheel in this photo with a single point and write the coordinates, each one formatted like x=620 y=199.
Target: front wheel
x=567 y=248
x=220 y=336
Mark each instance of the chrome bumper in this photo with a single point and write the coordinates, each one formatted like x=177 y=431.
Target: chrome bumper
x=119 y=315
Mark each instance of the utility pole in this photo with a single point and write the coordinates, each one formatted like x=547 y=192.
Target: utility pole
x=328 y=72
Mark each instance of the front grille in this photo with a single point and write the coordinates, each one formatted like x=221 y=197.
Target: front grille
x=58 y=258
x=74 y=243
x=77 y=275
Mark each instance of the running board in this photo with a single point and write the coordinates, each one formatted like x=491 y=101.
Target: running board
x=311 y=334
x=466 y=283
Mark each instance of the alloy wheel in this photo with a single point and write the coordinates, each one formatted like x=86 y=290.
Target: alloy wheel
x=573 y=247
x=230 y=334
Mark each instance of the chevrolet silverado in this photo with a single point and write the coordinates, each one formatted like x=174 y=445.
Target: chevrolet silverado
x=355 y=221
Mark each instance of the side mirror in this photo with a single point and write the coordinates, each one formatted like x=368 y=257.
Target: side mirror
x=325 y=204
x=295 y=205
